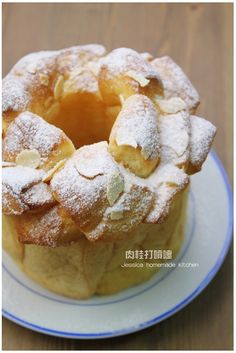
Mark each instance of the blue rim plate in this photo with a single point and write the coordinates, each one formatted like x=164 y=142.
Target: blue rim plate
x=167 y=292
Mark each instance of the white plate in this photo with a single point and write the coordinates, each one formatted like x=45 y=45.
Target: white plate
x=208 y=237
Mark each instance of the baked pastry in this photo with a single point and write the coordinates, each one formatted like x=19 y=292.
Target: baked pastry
x=97 y=153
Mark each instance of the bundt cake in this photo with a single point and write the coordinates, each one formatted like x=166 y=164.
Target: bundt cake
x=97 y=152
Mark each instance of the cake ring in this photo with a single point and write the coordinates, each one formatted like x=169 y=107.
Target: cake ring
x=98 y=149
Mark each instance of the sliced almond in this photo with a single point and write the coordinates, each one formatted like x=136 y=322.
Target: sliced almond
x=94 y=67
x=171 y=106
x=76 y=72
x=31 y=69
x=126 y=140
x=115 y=186
x=113 y=110
x=48 y=102
x=146 y=152
x=8 y=164
x=143 y=81
x=172 y=184
x=28 y=158
x=122 y=100
x=44 y=79
x=147 y=56
x=116 y=215
x=53 y=110
x=52 y=171
x=58 y=88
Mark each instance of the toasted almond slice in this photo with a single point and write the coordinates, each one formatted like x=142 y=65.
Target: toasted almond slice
x=48 y=102
x=8 y=164
x=126 y=140
x=147 y=56
x=76 y=72
x=31 y=69
x=116 y=215
x=28 y=158
x=146 y=152
x=53 y=110
x=44 y=79
x=58 y=86
x=94 y=67
x=52 y=171
x=143 y=81
x=172 y=105
x=122 y=100
x=115 y=186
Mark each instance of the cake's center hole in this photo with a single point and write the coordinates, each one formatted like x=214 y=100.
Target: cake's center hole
x=84 y=118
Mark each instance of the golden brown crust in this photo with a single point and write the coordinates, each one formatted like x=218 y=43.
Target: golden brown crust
x=50 y=228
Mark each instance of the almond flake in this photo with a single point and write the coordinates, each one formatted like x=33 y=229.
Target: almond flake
x=58 y=87
x=116 y=215
x=126 y=140
x=146 y=152
x=76 y=72
x=44 y=79
x=53 y=110
x=8 y=164
x=115 y=186
x=28 y=158
x=94 y=67
x=138 y=77
x=48 y=102
x=147 y=56
x=52 y=171
x=122 y=100
x=31 y=69
x=171 y=106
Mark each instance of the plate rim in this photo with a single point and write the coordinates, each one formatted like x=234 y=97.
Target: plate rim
x=203 y=284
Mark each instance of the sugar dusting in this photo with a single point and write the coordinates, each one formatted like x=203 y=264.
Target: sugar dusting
x=80 y=186
x=175 y=82
x=44 y=229
x=123 y=60
x=24 y=77
x=15 y=180
x=166 y=181
x=136 y=125
x=174 y=136
x=201 y=137
x=29 y=131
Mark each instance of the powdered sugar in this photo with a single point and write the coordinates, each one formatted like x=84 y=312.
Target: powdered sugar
x=136 y=125
x=103 y=162
x=24 y=78
x=15 y=181
x=20 y=178
x=38 y=195
x=81 y=186
x=175 y=82
x=85 y=197
x=166 y=181
x=201 y=137
x=29 y=131
x=123 y=60
x=14 y=94
x=42 y=229
x=174 y=136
